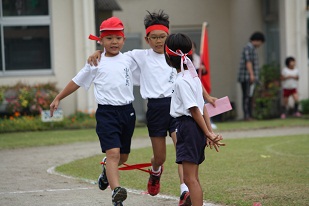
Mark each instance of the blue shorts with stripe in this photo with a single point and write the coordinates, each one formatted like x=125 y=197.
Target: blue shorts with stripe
x=115 y=127
x=191 y=142
x=159 y=120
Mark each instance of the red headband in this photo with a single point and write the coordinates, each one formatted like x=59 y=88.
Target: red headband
x=157 y=27
x=106 y=33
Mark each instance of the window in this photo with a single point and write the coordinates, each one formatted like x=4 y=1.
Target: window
x=24 y=37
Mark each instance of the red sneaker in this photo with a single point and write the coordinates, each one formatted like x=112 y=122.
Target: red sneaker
x=154 y=183
x=185 y=199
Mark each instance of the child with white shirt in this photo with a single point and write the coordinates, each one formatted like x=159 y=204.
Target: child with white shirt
x=156 y=85
x=113 y=89
x=187 y=106
x=289 y=78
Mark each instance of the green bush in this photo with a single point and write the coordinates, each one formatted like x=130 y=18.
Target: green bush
x=23 y=99
x=304 y=106
x=33 y=123
x=267 y=93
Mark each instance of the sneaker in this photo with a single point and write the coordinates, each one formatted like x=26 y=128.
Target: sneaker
x=282 y=116
x=185 y=199
x=102 y=180
x=119 y=195
x=154 y=183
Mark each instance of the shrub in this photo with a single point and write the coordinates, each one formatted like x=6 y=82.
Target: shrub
x=26 y=99
x=304 y=106
x=17 y=123
x=267 y=94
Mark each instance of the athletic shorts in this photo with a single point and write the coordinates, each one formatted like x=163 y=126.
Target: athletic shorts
x=191 y=142
x=115 y=127
x=289 y=92
x=158 y=117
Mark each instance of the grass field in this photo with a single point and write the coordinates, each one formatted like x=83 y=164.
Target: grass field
x=56 y=137
x=273 y=171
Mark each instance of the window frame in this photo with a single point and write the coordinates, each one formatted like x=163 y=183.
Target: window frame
x=35 y=20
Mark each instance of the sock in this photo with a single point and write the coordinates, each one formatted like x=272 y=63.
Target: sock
x=156 y=173
x=183 y=187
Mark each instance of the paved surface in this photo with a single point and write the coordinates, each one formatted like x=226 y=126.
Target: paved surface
x=27 y=178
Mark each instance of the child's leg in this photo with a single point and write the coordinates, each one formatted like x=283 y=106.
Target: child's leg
x=113 y=159
x=285 y=104
x=296 y=100
x=159 y=152
x=123 y=158
x=180 y=168
x=190 y=173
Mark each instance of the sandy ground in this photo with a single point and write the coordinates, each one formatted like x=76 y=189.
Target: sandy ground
x=27 y=177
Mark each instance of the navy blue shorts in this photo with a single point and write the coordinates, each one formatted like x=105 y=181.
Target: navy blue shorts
x=115 y=127
x=191 y=142
x=159 y=120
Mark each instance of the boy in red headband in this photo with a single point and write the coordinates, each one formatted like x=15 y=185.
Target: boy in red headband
x=187 y=106
x=156 y=85
x=113 y=89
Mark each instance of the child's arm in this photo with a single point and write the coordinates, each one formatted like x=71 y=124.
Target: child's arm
x=199 y=119
x=94 y=58
x=69 y=89
x=208 y=98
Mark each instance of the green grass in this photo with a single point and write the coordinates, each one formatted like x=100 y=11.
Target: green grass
x=56 y=137
x=273 y=171
x=259 y=124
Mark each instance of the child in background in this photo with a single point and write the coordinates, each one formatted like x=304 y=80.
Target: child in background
x=187 y=105
x=289 y=77
x=113 y=89
x=156 y=85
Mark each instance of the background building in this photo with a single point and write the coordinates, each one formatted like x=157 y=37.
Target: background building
x=47 y=41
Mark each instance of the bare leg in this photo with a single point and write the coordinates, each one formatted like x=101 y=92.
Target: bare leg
x=113 y=159
x=159 y=152
x=180 y=169
x=190 y=172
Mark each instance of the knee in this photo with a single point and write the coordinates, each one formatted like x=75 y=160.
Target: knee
x=159 y=160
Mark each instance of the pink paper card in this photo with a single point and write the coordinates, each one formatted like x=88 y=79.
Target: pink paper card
x=222 y=105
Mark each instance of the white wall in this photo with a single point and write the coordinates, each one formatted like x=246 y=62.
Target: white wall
x=246 y=18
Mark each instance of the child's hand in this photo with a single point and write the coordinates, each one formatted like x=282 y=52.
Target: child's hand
x=214 y=140
x=94 y=58
x=53 y=106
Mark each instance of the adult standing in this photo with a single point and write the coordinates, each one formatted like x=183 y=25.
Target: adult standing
x=248 y=73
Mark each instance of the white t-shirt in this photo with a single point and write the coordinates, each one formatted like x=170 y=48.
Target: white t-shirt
x=187 y=93
x=289 y=83
x=112 y=79
x=156 y=76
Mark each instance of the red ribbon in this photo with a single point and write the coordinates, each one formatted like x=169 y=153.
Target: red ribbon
x=135 y=167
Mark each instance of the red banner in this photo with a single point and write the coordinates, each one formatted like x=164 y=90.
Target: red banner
x=204 y=54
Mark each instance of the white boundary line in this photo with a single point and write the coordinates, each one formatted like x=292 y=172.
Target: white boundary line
x=133 y=191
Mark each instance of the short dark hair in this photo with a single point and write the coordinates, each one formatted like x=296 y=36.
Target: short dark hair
x=288 y=60
x=257 y=36
x=156 y=18
x=174 y=42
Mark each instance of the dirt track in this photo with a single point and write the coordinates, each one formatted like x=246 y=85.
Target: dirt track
x=25 y=181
